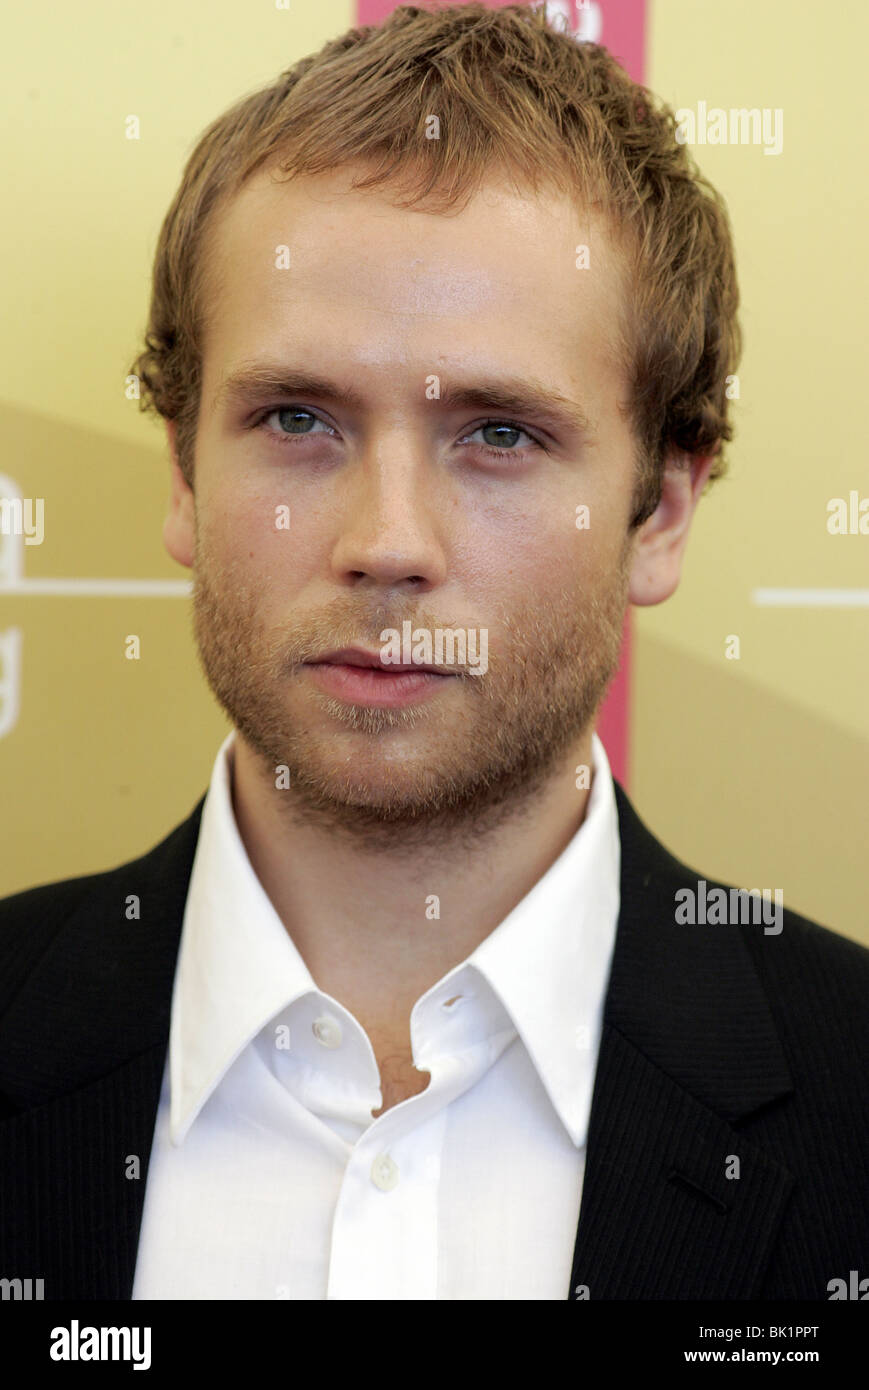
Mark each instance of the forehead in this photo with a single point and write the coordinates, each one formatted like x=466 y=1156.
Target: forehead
x=311 y=265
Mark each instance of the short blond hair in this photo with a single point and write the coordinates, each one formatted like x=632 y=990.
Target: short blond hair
x=514 y=93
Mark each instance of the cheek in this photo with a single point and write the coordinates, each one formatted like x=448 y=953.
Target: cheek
x=534 y=562
x=246 y=525
x=267 y=545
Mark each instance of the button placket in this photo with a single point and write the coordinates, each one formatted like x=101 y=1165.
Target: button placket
x=384 y=1172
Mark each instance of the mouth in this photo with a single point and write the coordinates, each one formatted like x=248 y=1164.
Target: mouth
x=372 y=661
x=360 y=677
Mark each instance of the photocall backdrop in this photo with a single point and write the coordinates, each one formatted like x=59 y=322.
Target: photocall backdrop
x=738 y=721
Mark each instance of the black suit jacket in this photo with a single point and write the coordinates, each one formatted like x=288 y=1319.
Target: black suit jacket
x=719 y=1043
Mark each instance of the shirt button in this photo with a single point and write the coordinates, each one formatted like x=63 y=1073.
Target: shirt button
x=327 y=1031
x=384 y=1173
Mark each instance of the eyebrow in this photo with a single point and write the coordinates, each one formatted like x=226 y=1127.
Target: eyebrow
x=522 y=396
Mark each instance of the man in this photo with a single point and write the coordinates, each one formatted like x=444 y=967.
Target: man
x=412 y=1006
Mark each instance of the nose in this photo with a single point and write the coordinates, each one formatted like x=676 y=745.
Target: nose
x=391 y=527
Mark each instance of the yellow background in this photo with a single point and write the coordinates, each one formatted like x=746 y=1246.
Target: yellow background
x=756 y=771
x=753 y=770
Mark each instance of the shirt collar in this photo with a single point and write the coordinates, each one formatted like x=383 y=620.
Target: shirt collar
x=237 y=966
x=547 y=961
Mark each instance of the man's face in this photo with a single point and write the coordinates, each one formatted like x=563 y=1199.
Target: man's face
x=399 y=510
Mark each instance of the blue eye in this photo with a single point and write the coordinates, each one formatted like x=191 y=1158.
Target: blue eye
x=294 y=410
x=299 y=415
x=501 y=426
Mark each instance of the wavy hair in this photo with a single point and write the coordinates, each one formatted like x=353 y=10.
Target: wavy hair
x=514 y=93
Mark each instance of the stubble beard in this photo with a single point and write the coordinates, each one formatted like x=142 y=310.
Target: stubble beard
x=457 y=765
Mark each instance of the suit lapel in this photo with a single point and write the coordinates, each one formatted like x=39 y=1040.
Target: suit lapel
x=74 y=1160
x=688 y=1050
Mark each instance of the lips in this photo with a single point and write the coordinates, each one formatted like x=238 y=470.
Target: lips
x=359 y=677
x=358 y=656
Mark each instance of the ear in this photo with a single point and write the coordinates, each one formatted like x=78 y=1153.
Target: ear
x=179 y=528
x=661 y=540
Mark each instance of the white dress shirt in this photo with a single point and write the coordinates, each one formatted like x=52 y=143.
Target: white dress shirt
x=269 y=1178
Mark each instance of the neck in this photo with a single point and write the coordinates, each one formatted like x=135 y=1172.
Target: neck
x=378 y=925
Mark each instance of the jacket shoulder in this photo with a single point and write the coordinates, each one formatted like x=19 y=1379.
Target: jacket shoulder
x=33 y=921
x=817 y=984
x=815 y=979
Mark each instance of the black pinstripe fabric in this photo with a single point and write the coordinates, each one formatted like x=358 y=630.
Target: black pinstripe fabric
x=722 y=1042
x=724 y=1050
